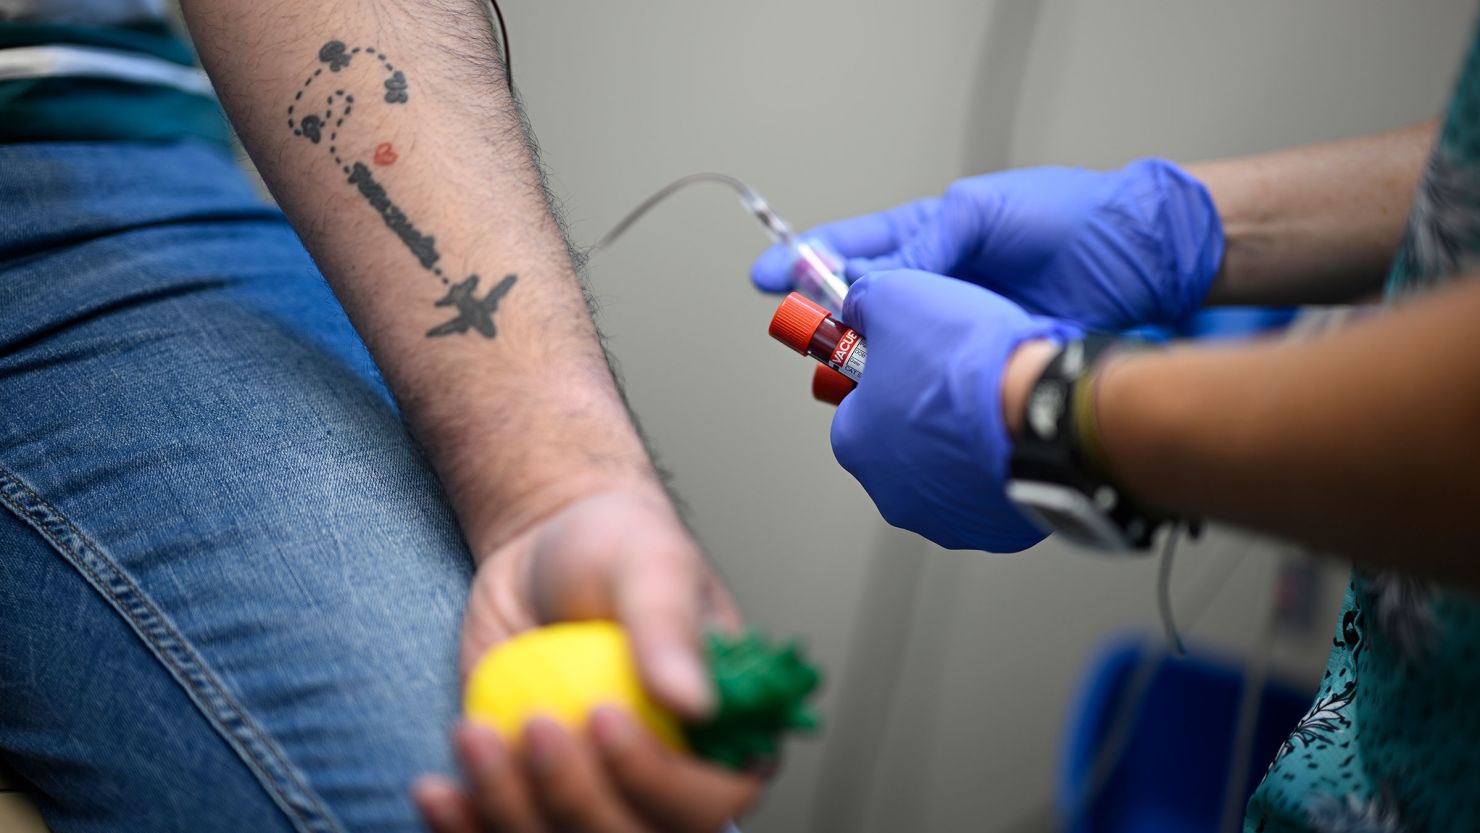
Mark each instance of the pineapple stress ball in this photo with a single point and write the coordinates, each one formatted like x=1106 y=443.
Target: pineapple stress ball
x=565 y=671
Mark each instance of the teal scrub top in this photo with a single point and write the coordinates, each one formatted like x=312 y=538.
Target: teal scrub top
x=1392 y=742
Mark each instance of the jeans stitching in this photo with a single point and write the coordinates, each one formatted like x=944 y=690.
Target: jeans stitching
x=268 y=763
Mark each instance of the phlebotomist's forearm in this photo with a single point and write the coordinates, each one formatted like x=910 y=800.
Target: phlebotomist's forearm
x=1365 y=442
x=1316 y=224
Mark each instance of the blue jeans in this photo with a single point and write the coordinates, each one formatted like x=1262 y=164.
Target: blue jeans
x=230 y=586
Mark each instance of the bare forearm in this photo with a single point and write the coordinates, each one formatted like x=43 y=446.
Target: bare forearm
x=387 y=134
x=1315 y=224
x=1363 y=442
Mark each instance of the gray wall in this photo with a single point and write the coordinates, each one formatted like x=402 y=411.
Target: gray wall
x=951 y=672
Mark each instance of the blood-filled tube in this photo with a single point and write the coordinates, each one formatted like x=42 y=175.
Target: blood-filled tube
x=811 y=330
x=830 y=386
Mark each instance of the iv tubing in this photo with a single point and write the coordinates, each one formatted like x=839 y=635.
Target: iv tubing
x=753 y=202
x=1164 y=593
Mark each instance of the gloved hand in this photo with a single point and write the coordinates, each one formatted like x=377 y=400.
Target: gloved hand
x=924 y=432
x=1108 y=250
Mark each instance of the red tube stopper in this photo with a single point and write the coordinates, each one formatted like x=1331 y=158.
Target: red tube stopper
x=796 y=320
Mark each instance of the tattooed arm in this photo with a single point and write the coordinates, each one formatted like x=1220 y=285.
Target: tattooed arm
x=387 y=133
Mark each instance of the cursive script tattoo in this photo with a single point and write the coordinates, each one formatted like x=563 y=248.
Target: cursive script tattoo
x=424 y=246
x=322 y=127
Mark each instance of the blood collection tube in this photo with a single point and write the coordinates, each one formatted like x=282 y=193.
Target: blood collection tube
x=830 y=386
x=811 y=330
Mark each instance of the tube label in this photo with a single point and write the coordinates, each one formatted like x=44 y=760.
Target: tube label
x=849 y=356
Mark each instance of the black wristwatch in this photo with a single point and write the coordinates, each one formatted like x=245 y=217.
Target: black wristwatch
x=1056 y=475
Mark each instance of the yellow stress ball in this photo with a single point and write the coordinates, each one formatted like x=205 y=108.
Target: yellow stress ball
x=563 y=671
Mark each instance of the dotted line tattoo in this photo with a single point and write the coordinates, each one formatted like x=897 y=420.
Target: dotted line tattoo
x=322 y=127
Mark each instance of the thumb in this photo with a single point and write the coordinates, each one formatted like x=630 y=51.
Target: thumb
x=877 y=294
x=659 y=603
x=625 y=557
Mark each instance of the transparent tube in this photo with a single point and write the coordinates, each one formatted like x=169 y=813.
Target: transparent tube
x=816 y=271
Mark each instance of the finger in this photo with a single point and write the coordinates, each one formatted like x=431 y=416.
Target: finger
x=856 y=307
x=642 y=571
x=500 y=792
x=877 y=233
x=720 y=612
x=868 y=235
x=771 y=272
x=929 y=243
x=672 y=792
x=850 y=443
x=569 y=785
x=931 y=249
x=445 y=808
x=658 y=601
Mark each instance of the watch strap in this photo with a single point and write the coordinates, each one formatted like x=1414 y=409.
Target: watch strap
x=1060 y=443
x=1086 y=413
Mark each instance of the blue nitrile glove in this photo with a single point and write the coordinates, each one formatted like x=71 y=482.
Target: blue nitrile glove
x=924 y=431
x=1108 y=250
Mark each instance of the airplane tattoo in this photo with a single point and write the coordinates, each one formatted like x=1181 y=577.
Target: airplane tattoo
x=471 y=311
x=306 y=121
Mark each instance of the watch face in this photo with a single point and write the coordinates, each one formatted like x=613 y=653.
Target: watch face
x=1073 y=359
x=1045 y=406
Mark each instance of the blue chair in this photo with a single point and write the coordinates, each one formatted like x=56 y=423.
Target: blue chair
x=1177 y=737
x=1219 y=323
